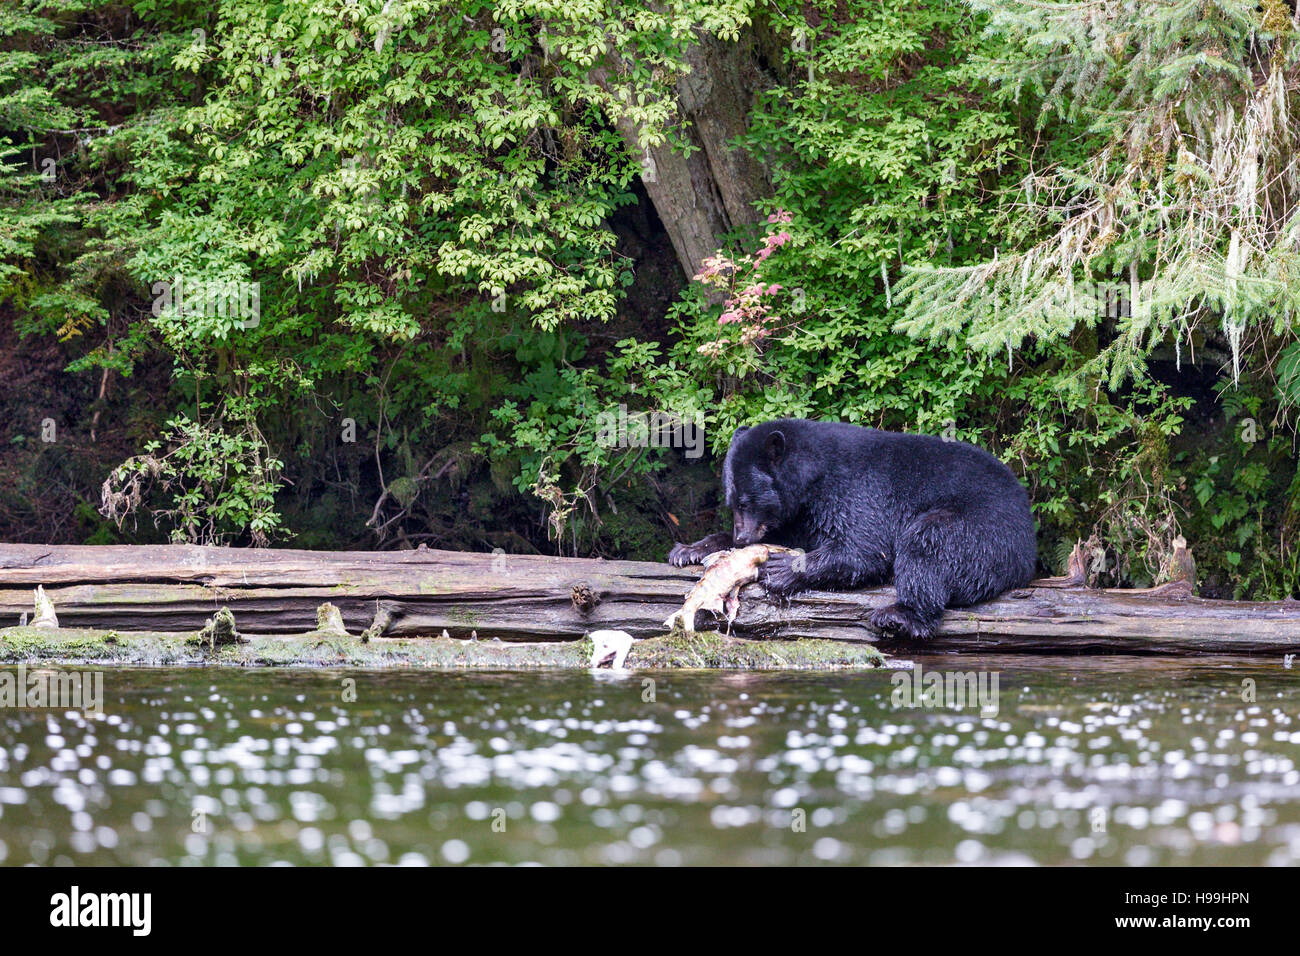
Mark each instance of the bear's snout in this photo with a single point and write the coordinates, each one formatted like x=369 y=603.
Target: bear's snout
x=748 y=531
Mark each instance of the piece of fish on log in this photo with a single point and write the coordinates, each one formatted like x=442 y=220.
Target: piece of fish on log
x=718 y=590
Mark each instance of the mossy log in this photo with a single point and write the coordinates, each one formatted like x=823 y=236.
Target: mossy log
x=536 y=598
x=325 y=649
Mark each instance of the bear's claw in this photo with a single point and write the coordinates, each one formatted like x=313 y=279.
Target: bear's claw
x=901 y=621
x=683 y=554
x=782 y=574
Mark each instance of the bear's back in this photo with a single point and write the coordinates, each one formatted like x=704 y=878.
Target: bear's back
x=920 y=457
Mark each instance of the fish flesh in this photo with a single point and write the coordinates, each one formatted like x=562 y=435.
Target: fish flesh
x=718 y=590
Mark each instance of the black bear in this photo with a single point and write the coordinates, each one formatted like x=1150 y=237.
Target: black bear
x=948 y=522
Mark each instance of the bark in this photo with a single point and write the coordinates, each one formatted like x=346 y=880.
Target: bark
x=534 y=597
x=702 y=196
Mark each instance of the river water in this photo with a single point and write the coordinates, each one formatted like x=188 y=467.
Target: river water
x=1138 y=761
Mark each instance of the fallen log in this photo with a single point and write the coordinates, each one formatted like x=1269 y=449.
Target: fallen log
x=537 y=598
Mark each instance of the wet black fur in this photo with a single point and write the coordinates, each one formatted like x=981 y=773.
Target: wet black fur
x=947 y=522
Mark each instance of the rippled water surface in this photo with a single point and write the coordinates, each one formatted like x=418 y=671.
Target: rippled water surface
x=1110 y=760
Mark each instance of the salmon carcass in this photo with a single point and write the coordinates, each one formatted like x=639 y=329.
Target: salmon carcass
x=726 y=572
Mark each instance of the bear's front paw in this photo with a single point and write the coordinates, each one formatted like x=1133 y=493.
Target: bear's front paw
x=683 y=554
x=783 y=574
x=900 y=621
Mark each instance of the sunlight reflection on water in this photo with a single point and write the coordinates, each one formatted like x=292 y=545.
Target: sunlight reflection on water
x=1105 y=760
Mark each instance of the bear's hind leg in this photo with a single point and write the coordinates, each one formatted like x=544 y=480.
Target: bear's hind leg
x=903 y=621
x=928 y=553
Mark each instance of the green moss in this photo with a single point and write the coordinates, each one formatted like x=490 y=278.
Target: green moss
x=705 y=649
x=220 y=629
x=711 y=649
x=84 y=644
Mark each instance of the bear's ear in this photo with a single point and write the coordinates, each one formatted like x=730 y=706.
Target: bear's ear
x=775 y=447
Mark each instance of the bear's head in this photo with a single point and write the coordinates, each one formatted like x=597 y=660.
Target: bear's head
x=763 y=487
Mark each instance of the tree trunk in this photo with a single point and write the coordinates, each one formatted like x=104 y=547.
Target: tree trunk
x=702 y=196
